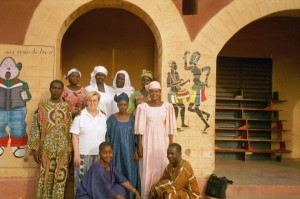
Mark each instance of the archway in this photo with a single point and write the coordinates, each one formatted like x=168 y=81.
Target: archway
x=232 y=18
x=51 y=31
x=112 y=37
x=268 y=38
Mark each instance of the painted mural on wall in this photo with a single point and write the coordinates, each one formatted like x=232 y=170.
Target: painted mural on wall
x=180 y=96
x=177 y=95
x=14 y=95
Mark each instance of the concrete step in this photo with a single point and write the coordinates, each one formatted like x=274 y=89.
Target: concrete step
x=261 y=179
x=262 y=191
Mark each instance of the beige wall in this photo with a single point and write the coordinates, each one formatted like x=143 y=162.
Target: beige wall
x=51 y=20
x=276 y=38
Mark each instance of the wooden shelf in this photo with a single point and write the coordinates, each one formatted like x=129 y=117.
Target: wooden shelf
x=271 y=130
x=239 y=99
x=231 y=139
x=244 y=128
x=269 y=151
x=265 y=140
x=250 y=140
x=251 y=150
x=242 y=99
x=231 y=150
x=266 y=109
x=247 y=119
x=250 y=119
x=237 y=123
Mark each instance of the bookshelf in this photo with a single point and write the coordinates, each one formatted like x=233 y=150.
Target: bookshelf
x=248 y=125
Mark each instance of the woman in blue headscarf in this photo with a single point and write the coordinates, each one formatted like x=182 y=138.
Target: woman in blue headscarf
x=120 y=132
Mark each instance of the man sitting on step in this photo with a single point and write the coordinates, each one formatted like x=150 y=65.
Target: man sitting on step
x=178 y=180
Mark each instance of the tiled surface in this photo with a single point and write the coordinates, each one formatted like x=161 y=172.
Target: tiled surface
x=254 y=179
x=261 y=179
x=251 y=172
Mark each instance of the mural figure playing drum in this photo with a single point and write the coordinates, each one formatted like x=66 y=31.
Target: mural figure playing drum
x=177 y=96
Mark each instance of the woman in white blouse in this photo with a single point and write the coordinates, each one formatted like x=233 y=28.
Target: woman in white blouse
x=88 y=132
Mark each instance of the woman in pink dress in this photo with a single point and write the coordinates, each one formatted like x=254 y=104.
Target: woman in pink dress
x=73 y=94
x=155 y=125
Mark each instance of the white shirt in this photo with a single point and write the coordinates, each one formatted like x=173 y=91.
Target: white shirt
x=90 y=130
x=107 y=103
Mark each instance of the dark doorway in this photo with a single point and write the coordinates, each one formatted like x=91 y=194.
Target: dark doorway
x=111 y=37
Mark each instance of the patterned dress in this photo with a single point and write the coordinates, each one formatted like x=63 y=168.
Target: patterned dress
x=50 y=136
x=179 y=182
x=75 y=99
x=135 y=99
x=155 y=124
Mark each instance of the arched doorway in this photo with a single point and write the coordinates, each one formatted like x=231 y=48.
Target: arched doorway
x=112 y=37
x=274 y=37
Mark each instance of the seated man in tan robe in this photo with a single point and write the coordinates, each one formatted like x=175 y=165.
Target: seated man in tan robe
x=178 y=180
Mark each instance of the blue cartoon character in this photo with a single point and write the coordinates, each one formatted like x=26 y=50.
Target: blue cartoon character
x=14 y=93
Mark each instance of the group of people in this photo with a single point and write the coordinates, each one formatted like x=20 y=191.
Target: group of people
x=118 y=139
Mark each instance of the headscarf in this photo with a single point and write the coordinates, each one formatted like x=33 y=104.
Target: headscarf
x=127 y=88
x=147 y=73
x=127 y=80
x=153 y=85
x=121 y=97
x=73 y=70
x=97 y=69
x=107 y=103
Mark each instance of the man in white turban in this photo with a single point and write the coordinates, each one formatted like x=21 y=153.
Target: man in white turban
x=98 y=77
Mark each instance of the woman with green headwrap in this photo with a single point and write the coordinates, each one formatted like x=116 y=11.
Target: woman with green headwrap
x=142 y=95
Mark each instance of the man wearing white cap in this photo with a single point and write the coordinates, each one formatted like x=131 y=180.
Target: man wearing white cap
x=98 y=77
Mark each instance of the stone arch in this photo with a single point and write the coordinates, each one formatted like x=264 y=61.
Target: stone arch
x=231 y=19
x=51 y=20
x=234 y=17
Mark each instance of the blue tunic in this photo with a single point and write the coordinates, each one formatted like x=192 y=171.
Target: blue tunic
x=121 y=135
x=99 y=183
